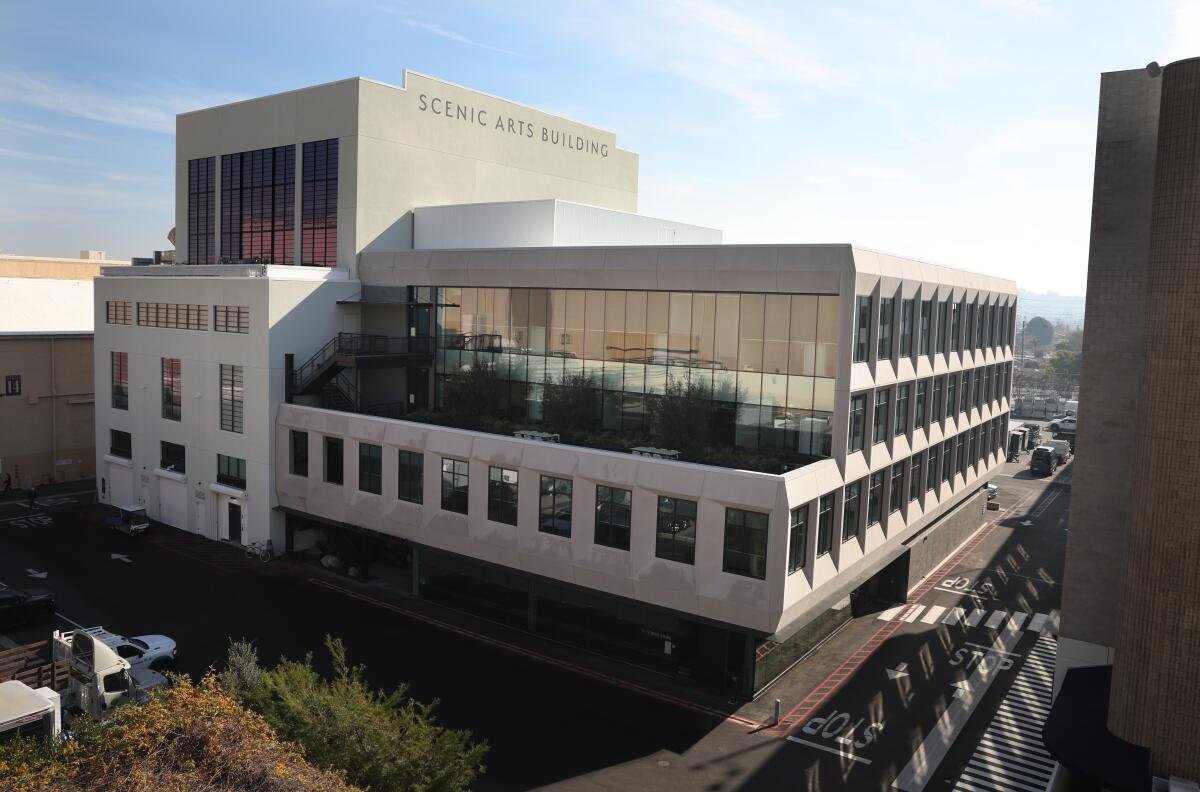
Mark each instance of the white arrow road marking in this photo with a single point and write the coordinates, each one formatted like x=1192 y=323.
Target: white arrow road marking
x=33 y=573
x=898 y=671
x=1027 y=523
x=119 y=557
x=933 y=750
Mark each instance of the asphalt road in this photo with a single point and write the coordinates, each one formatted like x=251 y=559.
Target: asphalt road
x=549 y=726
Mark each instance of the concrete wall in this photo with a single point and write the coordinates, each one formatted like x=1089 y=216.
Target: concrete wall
x=930 y=548
x=13 y=266
x=48 y=429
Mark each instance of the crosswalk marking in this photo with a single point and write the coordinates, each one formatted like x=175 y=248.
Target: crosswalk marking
x=1017 y=620
x=1010 y=756
x=932 y=614
x=954 y=616
x=975 y=616
x=911 y=616
x=994 y=620
x=892 y=613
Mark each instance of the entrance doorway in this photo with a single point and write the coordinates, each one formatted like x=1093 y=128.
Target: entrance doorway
x=235 y=523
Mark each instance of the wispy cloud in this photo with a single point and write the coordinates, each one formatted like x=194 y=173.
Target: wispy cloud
x=149 y=107
x=1025 y=6
x=32 y=156
x=38 y=129
x=406 y=19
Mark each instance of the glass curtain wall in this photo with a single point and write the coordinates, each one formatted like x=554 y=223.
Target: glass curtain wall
x=767 y=360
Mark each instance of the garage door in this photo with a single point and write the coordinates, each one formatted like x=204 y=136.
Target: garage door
x=120 y=485
x=172 y=502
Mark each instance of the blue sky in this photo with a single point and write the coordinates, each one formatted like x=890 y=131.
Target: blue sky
x=959 y=132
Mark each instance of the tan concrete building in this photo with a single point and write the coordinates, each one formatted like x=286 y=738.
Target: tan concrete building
x=46 y=404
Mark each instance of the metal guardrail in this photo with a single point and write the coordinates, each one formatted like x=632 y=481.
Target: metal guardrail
x=361 y=344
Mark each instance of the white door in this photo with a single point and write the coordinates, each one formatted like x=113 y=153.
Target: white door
x=120 y=485
x=202 y=517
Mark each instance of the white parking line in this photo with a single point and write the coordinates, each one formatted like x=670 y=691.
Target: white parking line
x=830 y=749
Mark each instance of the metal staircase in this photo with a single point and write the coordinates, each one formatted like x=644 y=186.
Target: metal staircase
x=323 y=373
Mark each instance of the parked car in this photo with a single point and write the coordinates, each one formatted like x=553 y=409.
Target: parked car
x=992 y=491
x=1062 y=449
x=24 y=606
x=156 y=652
x=1064 y=424
x=1043 y=460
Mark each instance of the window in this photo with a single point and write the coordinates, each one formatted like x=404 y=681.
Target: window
x=334 y=460
x=318 y=204
x=885 y=328
x=232 y=393
x=960 y=453
x=172 y=398
x=120 y=444
x=862 y=329
x=875 y=498
x=972 y=449
x=915 y=479
x=964 y=391
x=850 y=510
x=12 y=385
x=932 y=476
x=258 y=196
x=298 y=442
x=455 y=483
x=955 y=325
x=745 y=543
x=172 y=457
x=231 y=471
x=907 y=308
x=231 y=318
x=412 y=477
x=554 y=506
x=502 y=495
x=675 y=538
x=926 y=329
x=179 y=316
x=614 y=516
x=370 y=468
x=935 y=407
x=118 y=312
x=120 y=380
x=858 y=422
x=202 y=187
x=824 y=524
x=901 y=409
x=947 y=459
x=943 y=327
x=798 y=538
x=896 y=492
x=969 y=327
x=879 y=432
x=919 y=418
x=951 y=395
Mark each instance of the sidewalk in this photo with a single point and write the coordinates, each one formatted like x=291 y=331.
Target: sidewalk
x=49 y=490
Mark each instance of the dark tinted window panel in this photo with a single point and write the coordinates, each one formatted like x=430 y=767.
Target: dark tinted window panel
x=258 y=201
x=202 y=188
x=318 y=204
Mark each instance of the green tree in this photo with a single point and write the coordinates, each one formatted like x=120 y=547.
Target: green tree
x=381 y=741
x=682 y=417
x=1065 y=362
x=571 y=405
x=473 y=391
x=1041 y=330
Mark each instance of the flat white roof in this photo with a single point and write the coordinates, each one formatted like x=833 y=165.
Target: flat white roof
x=40 y=306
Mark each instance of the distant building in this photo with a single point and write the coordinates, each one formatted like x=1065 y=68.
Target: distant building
x=46 y=404
x=1128 y=676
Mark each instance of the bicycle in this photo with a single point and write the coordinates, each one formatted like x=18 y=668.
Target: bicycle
x=263 y=551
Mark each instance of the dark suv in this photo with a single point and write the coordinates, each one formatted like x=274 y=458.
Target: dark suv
x=24 y=606
x=1043 y=460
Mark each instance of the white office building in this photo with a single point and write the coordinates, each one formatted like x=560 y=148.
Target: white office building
x=424 y=327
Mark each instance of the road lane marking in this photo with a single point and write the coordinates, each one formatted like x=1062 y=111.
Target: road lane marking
x=911 y=616
x=830 y=749
x=932 y=614
x=976 y=615
x=1037 y=622
x=996 y=618
x=1018 y=619
x=891 y=613
x=954 y=616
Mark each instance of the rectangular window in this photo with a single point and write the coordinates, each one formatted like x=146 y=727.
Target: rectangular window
x=675 y=536
x=298 y=465
x=969 y=329
x=412 y=477
x=919 y=409
x=172 y=385
x=798 y=539
x=858 y=422
x=915 y=479
x=964 y=391
x=850 y=510
x=935 y=407
x=502 y=495
x=172 y=457
x=896 y=491
x=202 y=189
x=231 y=318
x=955 y=326
x=118 y=312
x=12 y=385
x=120 y=444
x=862 y=329
x=879 y=431
x=933 y=468
x=907 y=308
x=232 y=398
x=334 y=460
x=960 y=453
x=875 y=498
x=258 y=198
x=177 y=316
x=885 y=327
x=824 y=524
x=554 y=505
x=614 y=516
x=745 y=543
x=926 y=327
x=455 y=484
x=951 y=395
x=947 y=459
x=901 y=425
x=318 y=204
x=231 y=471
x=943 y=328
x=120 y=380
x=370 y=468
